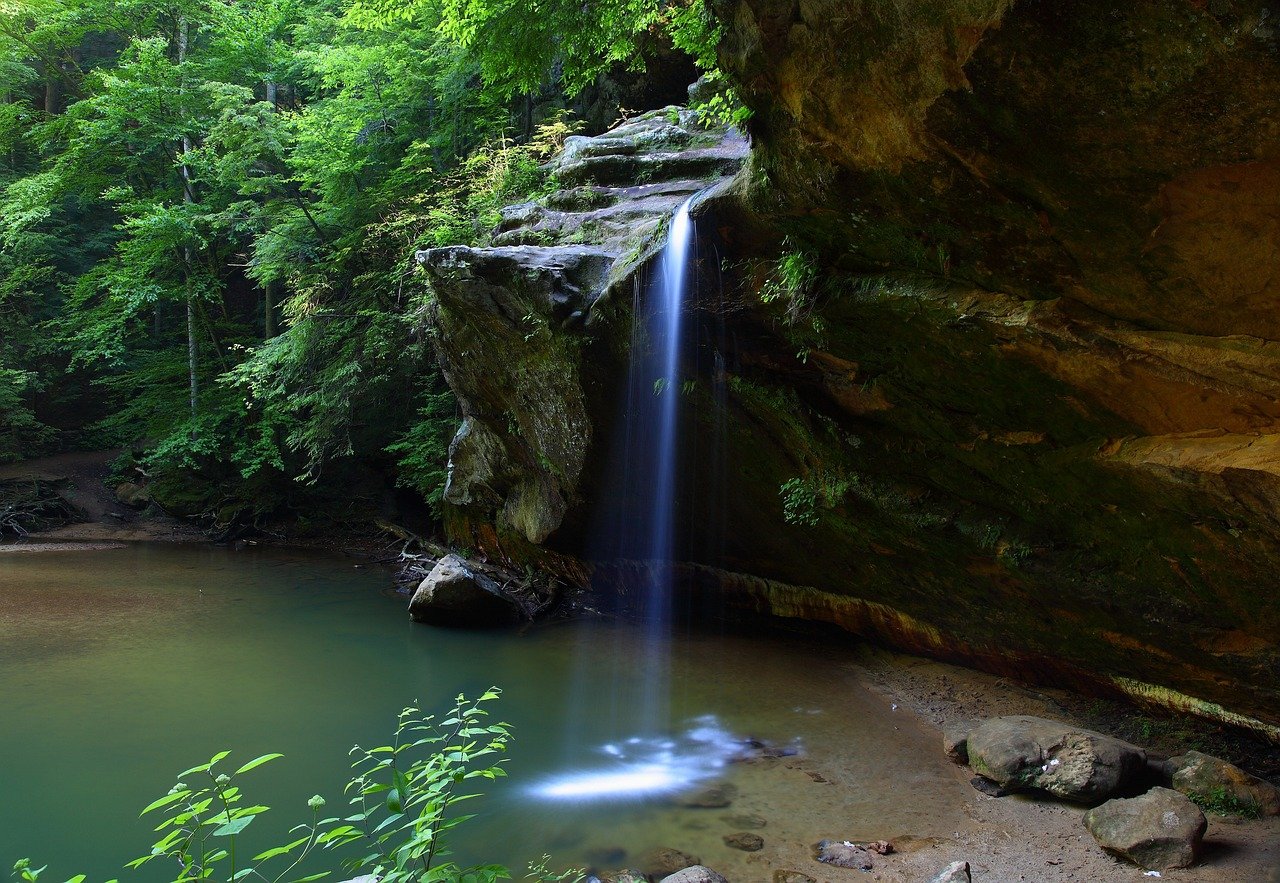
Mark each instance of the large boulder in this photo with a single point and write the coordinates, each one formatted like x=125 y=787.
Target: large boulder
x=455 y=594
x=1207 y=778
x=1022 y=752
x=1160 y=830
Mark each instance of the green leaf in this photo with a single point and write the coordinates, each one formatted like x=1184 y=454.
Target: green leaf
x=164 y=801
x=257 y=762
x=281 y=850
x=235 y=826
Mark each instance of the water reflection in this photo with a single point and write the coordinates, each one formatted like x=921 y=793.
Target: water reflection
x=646 y=766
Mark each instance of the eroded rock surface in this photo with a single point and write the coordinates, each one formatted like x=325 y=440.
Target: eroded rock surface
x=956 y=872
x=513 y=321
x=1022 y=752
x=1024 y=414
x=1160 y=830
x=1204 y=777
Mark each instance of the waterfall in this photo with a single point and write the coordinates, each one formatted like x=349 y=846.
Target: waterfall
x=648 y=751
x=661 y=362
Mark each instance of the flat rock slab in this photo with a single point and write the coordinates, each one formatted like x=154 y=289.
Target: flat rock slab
x=1160 y=830
x=1024 y=753
x=1210 y=778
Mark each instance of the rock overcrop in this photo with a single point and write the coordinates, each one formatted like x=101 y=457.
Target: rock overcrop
x=1022 y=753
x=514 y=322
x=1159 y=830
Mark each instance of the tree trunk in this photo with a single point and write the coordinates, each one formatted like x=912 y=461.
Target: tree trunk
x=188 y=199
x=271 y=289
x=52 y=92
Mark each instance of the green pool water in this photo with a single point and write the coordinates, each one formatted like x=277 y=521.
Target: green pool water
x=120 y=667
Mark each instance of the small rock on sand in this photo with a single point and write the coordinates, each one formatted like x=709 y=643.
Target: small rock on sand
x=744 y=840
x=844 y=854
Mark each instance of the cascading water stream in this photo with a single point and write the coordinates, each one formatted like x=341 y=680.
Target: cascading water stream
x=647 y=757
x=662 y=363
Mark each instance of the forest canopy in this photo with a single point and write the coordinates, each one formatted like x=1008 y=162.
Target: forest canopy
x=208 y=212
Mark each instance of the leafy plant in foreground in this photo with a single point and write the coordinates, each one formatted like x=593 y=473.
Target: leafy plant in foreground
x=403 y=797
x=402 y=793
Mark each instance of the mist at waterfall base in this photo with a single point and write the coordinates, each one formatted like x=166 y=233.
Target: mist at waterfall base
x=653 y=754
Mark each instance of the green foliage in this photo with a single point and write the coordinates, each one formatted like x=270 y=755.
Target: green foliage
x=403 y=799
x=208 y=216
x=792 y=280
x=417 y=451
x=21 y=434
x=403 y=796
x=1221 y=802
x=799 y=502
x=803 y=497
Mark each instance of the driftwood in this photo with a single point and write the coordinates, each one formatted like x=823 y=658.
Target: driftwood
x=32 y=504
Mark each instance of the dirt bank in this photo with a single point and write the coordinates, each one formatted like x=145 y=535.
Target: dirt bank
x=80 y=478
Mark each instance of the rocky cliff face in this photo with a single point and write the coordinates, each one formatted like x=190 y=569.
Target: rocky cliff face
x=532 y=331
x=1054 y=234
x=1011 y=394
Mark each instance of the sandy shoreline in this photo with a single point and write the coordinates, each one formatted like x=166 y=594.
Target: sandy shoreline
x=1018 y=838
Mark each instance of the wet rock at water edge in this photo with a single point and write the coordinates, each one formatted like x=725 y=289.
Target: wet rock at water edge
x=744 y=820
x=745 y=841
x=454 y=594
x=1022 y=752
x=1160 y=830
x=695 y=874
x=792 y=877
x=1205 y=777
x=956 y=872
x=663 y=861
x=844 y=854
x=717 y=795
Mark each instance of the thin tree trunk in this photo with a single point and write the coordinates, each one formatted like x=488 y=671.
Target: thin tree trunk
x=269 y=291
x=52 y=92
x=187 y=198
